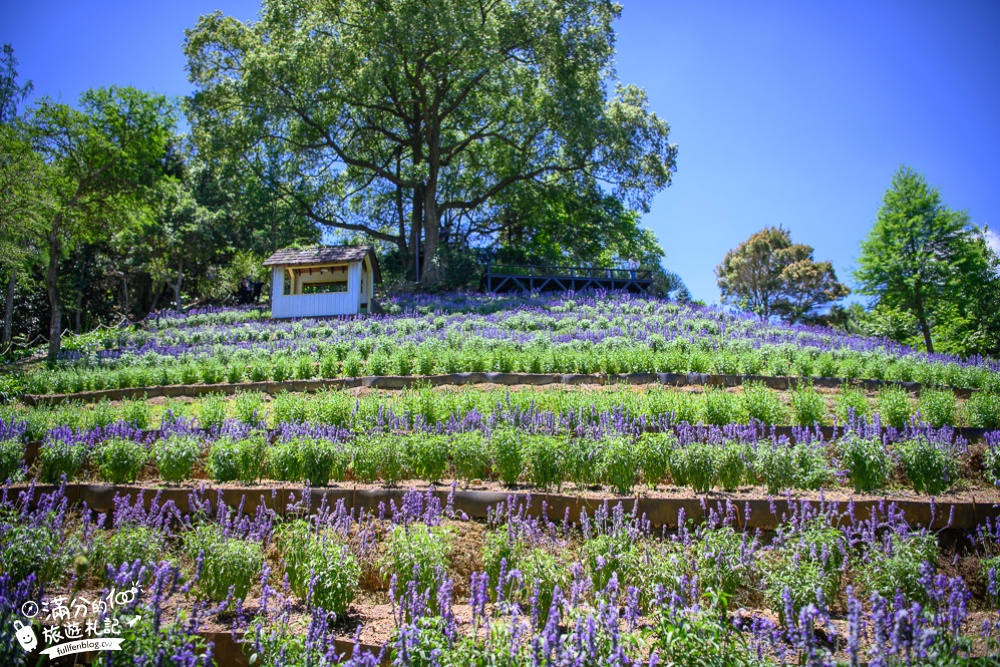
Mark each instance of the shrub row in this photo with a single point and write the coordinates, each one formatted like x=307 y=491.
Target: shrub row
x=512 y=457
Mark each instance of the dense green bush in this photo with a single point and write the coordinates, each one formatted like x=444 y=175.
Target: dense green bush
x=619 y=464
x=544 y=454
x=428 y=456
x=505 y=447
x=322 y=559
x=241 y=460
x=764 y=405
x=417 y=553
x=11 y=460
x=57 y=458
x=982 y=410
x=938 y=407
x=866 y=461
x=808 y=406
x=470 y=455
x=655 y=451
x=226 y=562
x=894 y=406
x=381 y=457
x=851 y=400
x=125 y=544
x=894 y=564
x=931 y=467
x=783 y=466
x=176 y=456
x=120 y=460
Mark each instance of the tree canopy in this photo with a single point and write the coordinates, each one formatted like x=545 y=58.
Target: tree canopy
x=931 y=264
x=411 y=121
x=769 y=275
x=104 y=158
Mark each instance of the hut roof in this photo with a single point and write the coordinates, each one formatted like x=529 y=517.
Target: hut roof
x=330 y=254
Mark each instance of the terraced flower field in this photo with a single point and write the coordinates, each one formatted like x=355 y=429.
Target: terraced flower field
x=567 y=480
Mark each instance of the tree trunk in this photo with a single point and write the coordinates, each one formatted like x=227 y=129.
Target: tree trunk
x=8 y=310
x=125 y=292
x=415 y=227
x=925 y=328
x=177 y=288
x=52 y=287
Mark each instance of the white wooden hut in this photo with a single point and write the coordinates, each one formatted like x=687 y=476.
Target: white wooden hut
x=323 y=281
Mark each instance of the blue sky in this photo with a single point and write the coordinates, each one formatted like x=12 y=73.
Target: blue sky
x=785 y=113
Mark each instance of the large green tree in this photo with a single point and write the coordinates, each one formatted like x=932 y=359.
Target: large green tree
x=405 y=120
x=21 y=178
x=103 y=158
x=769 y=275
x=926 y=260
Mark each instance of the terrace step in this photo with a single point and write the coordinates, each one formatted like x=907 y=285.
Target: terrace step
x=508 y=379
x=755 y=513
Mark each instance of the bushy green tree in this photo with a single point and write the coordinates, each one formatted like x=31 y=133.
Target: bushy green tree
x=926 y=262
x=769 y=275
x=421 y=114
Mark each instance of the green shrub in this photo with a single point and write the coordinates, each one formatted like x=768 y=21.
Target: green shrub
x=583 y=461
x=303 y=368
x=471 y=456
x=127 y=543
x=120 y=460
x=698 y=461
x=655 y=451
x=281 y=368
x=982 y=410
x=722 y=563
x=284 y=462
x=248 y=407
x=57 y=458
x=417 y=552
x=428 y=455
x=27 y=549
x=240 y=460
x=352 y=365
x=289 y=407
x=604 y=555
x=544 y=454
x=762 y=404
x=235 y=371
x=381 y=457
x=176 y=456
x=227 y=562
x=851 y=399
x=721 y=407
x=866 y=462
x=801 y=578
x=212 y=411
x=938 y=407
x=801 y=466
x=894 y=564
x=991 y=463
x=212 y=372
x=894 y=406
x=931 y=467
x=808 y=406
x=322 y=559
x=505 y=447
x=136 y=412
x=11 y=460
x=619 y=465
x=730 y=466
x=378 y=364
x=260 y=370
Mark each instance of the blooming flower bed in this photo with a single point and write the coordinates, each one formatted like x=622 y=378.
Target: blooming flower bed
x=608 y=333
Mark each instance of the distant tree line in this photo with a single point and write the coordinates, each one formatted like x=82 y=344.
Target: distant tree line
x=931 y=275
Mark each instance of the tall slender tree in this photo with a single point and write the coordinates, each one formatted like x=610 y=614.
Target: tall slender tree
x=918 y=252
